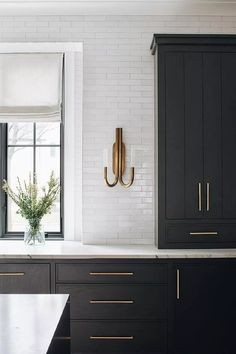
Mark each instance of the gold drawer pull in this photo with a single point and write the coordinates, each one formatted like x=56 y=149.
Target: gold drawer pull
x=112 y=273
x=210 y=233
x=111 y=301
x=62 y=338
x=111 y=338
x=12 y=274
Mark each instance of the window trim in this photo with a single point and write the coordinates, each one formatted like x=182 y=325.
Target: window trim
x=72 y=113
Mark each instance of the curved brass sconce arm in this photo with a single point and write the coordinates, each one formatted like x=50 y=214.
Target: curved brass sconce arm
x=127 y=185
x=106 y=180
x=119 y=163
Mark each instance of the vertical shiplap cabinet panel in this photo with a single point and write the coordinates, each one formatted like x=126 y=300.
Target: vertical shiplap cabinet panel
x=193 y=143
x=212 y=135
x=229 y=134
x=174 y=124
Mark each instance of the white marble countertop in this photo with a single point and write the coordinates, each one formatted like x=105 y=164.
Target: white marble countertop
x=76 y=250
x=73 y=249
x=28 y=322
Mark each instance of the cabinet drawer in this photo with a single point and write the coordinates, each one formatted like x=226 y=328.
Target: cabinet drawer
x=116 y=301
x=201 y=233
x=118 y=337
x=24 y=278
x=111 y=273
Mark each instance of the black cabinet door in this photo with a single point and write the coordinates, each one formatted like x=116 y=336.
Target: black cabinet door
x=183 y=133
x=219 y=92
x=205 y=309
x=193 y=135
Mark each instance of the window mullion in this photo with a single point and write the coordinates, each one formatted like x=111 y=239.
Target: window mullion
x=3 y=171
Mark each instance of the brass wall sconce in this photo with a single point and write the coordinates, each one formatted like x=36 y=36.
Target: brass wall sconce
x=118 y=163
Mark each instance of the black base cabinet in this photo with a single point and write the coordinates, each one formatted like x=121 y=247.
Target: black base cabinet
x=204 y=311
x=185 y=306
x=116 y=307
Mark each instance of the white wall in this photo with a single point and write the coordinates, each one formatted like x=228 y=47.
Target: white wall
x=118 y=92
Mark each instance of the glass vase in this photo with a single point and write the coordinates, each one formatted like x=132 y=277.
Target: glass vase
x=34 y=235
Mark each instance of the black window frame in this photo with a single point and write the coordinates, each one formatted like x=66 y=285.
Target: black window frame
x=4 y=233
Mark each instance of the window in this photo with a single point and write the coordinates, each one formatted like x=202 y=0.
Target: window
x=31 y=148
x=14 y=104
x=30 y=109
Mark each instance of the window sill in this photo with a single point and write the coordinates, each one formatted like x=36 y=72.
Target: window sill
x=20 y=236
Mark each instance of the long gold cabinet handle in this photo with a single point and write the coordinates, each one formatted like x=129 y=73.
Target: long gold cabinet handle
x=199 y=196
x=208 y=196
x=111 y=301
x=111 y=337
x=129 y=274
x=177 y=284
x=12 y=274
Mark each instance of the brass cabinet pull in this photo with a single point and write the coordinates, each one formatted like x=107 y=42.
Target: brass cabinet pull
x=199 y=196
x=208 y=196
x=62 y=338
x=12 y=274
x=111 y=301
x=111 y=338
x=210 y=233
x=112 y=273
x=177 y=284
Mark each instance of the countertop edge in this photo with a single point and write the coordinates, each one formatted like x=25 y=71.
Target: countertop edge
x=93 y=257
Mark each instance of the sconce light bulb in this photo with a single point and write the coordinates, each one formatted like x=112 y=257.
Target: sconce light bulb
x=105 y=157
x=133 y=157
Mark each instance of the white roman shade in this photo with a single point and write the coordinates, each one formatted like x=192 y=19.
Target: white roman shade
x=30 y=87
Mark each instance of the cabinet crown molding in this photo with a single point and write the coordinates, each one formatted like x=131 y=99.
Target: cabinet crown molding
x=191 y=39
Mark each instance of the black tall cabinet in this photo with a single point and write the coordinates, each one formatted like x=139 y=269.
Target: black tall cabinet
x=196 y=140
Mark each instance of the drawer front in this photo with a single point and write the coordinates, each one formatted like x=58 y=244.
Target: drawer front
x=116 y=301
x=201 y=233
x=118 y=337
x=24 y=278
x=111 y=273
